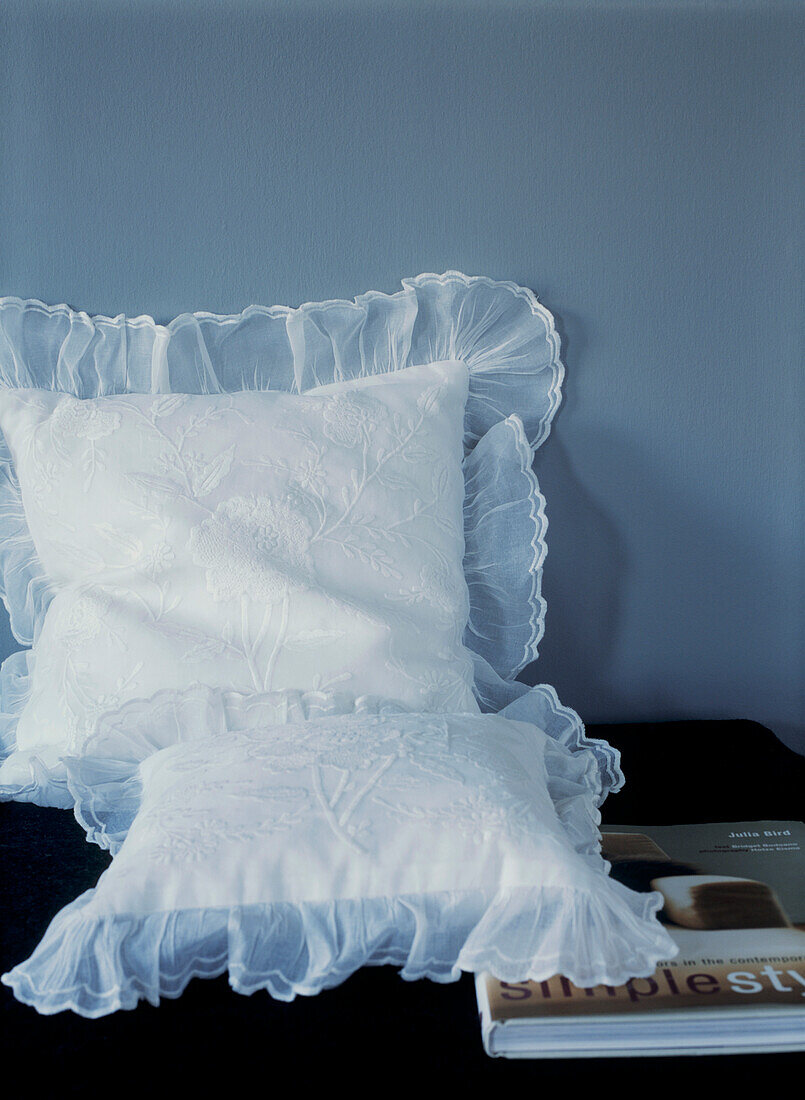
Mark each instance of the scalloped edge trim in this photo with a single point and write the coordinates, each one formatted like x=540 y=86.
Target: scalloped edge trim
x=536 y=603
x=358 y=302
x=539 y=546
x=640 y=909
x=143 y=320
x=43 y=787
x=575 y=738
x=509 y=697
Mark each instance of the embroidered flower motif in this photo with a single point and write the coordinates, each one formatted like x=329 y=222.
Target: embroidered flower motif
x=82 y=620
x=83 y=419
x=158 y=560
x=253 y=546
x=485 y=812
x=168 y=405
x=328 y=745
x=43 y=485
x=310 y=476
x=438 y=588
x=204 y=474
x=436 y=686
x=429 y=401
x=282 y=755
x=347 y=416
x=350 y=749
x=80 y=725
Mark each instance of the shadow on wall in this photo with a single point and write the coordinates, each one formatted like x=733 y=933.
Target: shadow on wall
x=666 y=605
x=583 y=594
x=672 y=611
x=583 y=581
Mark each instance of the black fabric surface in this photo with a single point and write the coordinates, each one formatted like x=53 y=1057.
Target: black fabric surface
x=375 y=1031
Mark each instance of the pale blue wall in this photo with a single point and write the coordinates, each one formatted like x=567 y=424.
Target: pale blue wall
x=636 y=164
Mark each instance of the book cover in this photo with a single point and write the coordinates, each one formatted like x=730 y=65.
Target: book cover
x=734 y=902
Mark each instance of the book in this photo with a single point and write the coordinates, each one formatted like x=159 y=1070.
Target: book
x=734 y=903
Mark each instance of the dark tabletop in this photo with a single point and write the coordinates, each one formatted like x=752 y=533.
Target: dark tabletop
x=375 y=1031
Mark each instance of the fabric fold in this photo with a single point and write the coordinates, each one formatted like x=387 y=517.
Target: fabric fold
x=540 y=705
x=95 y=966
x=505 y=529
x=580 y=923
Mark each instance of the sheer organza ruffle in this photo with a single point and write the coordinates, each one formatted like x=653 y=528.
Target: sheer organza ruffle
x=95 y=965
x=93 y=962
x=505 y=527
x=540 y=706
x=501 y=331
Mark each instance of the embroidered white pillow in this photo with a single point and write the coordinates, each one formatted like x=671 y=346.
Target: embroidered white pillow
x=290 y=855
x=505 y=336
x=252 y=541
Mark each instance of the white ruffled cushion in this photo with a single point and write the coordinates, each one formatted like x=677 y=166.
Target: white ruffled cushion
x=502 y=507
x=105 y=788
x=253 y=540
x=291 y=855
x=506 y=338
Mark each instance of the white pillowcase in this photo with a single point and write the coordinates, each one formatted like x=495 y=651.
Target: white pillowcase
x=290 y=855
x=499 y=330
x=251 y=541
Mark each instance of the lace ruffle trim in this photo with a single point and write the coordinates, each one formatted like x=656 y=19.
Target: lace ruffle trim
x=94 y=963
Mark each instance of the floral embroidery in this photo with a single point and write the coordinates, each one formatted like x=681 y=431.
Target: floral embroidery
x=438 y=588
x=348 y=416
x=171 y=504
x=335 y=743
x=168 y=405
x=83 y=419
x=478 y=814
x=253 y=546
x=308 y=475
x=82 y=619
x=158 y=560
x=191 y=836
x=79 y=717
x=356 y=772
